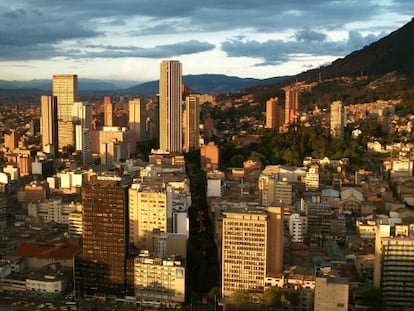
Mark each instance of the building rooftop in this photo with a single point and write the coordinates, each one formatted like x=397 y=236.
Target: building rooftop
x=46 y=251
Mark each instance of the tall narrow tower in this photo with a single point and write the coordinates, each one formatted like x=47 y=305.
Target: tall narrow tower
x=48 y=124
x=108 y=111
x=65 y=88
x=137 y=118
x=338 y=119
x=170 y=106
x=191 y=123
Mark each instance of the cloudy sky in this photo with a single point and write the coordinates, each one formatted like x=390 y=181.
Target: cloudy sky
x=127 y=39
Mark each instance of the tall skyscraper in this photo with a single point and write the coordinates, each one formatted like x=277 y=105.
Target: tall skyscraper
x=108 y=111
x=65 y=88
x=49 y=124
x=191 y=123
x=338 y=119
x=170 y=109
x=137 y=119
x=82 y=119
x=104 y=267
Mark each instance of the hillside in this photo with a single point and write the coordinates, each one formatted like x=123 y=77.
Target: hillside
x=207 y=83
x=381 y=70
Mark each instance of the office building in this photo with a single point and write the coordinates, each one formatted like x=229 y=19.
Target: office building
x=393 y=267
x=82 y=119
x=209 y=156
x=191 y=123
x=108 y=111
x=252 y=246
x=147 y=212
x=338 y=119
x=137 y=119
x=49 y=124
x=104 y=267
x=65 y=88
x=274 y=113
x=170 y=107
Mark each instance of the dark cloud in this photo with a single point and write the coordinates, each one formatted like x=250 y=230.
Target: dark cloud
x=41 y=29
x=307 y=35
x=273 y=52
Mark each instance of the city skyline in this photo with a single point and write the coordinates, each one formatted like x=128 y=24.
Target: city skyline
x=123 y=41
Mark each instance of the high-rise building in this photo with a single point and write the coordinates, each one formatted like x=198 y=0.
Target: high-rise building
x=11 y=140
x=191 y=123
x=147 y=212
x=274 y=113
x=393 y=267
x=291 y=104
x=49 y=124
x=108 y=111
x=104 y=267
x=65 y=88
x=252 y=246
x=170 y=106
x=338 y=119
x=137 y=119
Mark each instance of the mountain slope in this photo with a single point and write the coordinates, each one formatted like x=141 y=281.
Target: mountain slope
x=394 y=52
x=207 y=83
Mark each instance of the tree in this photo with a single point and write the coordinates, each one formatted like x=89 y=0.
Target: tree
x=272 y=297
x=240 y=298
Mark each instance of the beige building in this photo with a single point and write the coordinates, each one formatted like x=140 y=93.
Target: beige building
x=170 y=102
x=209 y=156
x=331 y=294
x=65 y=88
x=159 y=280
x=252 y=246
x=48 y=124
x=274 y=113
x=147 y=212
x=338 y=119
x=137 y=118
x=191 y=123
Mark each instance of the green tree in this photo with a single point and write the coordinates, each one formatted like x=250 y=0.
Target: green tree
x=272 y=297
x=240 y=298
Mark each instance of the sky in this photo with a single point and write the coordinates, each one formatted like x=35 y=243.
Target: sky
x=127 y=39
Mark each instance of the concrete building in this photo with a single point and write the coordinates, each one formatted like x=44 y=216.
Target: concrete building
x=393 y=272
x=147 y=212
x=170 y=106
x=312 y=178
x=108 y=111
x=252 y=246
x=137 y=115
x=65 y=88
x=338 y=119
x=159 y=280
x=297 y=227
x=274 y=113
x=331 y=294
x=191 y=121
x=11 y=140
x=209 y=156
